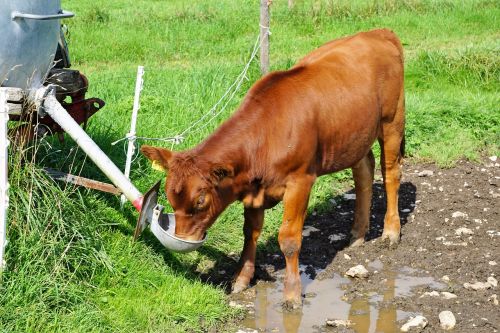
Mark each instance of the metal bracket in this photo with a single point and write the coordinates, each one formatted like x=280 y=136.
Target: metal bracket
x=62 y=14
x=40 y=96
x=150 y=209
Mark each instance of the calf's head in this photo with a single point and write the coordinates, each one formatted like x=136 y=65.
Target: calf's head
x=197 y=189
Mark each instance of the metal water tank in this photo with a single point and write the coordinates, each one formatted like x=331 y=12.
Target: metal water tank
x=29 y=32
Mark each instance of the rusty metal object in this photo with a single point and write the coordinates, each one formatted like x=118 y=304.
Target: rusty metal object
x=70 y=84
x=81 y=181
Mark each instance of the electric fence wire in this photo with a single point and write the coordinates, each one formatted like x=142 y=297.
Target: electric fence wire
x=212 y=113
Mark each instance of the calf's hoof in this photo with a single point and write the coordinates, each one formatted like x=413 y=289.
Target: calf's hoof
x=391 y=238
x=355 y=242
x=292 y=294
x=238 y=287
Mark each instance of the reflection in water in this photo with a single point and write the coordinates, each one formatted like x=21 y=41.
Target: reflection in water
x=370 y=312
x=269 y=314
x=385 y=317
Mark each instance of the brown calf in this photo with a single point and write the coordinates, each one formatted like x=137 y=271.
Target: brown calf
x=321 y=116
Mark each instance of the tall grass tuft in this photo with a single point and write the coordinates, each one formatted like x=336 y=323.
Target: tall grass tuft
x=471 y=67
x=54 y=248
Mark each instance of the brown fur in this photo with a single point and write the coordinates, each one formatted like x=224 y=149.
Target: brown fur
x=321 y=116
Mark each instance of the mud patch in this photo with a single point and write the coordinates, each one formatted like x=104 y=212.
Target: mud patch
x=450 y=236
x=332 y=298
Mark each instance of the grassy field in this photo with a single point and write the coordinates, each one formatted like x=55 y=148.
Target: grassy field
x=72 y=265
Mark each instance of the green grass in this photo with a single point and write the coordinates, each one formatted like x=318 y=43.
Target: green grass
x=72 y=265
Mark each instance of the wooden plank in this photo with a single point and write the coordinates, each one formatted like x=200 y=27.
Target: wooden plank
x=14 y=109
x=81 y=181
x=14 y=94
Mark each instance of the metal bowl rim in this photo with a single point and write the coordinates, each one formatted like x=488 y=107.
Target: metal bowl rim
x=180 y=239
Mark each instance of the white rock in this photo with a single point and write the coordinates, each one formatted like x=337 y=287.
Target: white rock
x=493 y=233
x=494 y=299
x=358 y=271
x=347 y=257
x=405 y=210
x=458 y=214
x=247 y=330
x=233 y=304
x=308 y=229
x=418 y=321
x=447 y=295
x=350 y=196
x=455 y=244
x=492 y=263
x=445 y=278
x=338 y=323
x=447 y=320
x=493 y=158
x=463 y=231
x=425 y=173
x=491 y=280
x=337 y=237
x=432 y=294
x=477 y=285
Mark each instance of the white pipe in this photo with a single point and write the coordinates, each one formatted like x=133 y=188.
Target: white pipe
x=4 y=184
x=69 y=125
x=131 y=135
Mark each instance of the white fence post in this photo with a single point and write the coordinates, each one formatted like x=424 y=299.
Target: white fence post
x=131 y=135
x=4 y=184
x=264 y=36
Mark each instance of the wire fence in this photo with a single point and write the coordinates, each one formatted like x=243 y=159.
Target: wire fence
x=208 y=117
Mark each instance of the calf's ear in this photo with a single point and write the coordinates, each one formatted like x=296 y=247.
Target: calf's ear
x=159 y=156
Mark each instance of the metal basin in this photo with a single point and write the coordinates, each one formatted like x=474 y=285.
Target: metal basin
x=162 y=225
x=164 y=230
x=29 y=32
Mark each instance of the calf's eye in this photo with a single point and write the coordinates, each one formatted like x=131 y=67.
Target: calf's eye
x=201 y=200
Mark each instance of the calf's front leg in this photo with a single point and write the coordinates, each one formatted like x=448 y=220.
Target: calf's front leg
x=290 y=235
x=254 y=218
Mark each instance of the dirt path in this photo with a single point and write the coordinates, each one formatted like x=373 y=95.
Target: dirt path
x=450 y=236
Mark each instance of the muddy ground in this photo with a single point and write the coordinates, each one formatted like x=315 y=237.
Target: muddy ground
x=436 y=254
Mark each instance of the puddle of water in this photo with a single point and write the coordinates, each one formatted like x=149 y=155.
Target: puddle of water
x=324 y=300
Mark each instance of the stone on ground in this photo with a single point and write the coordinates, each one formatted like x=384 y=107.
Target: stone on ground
x=425 y=173
x=491 y=280
x=338 y=323
x=358 y=271
x=419 y=322
x=447 y=320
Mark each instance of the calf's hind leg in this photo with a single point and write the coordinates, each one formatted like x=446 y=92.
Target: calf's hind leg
x=363 y=181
